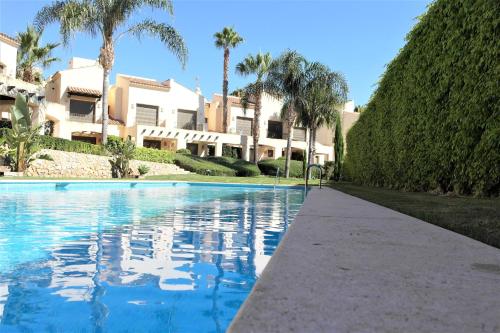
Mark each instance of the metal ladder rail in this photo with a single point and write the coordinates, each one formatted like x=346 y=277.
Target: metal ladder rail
x=277 y=177
x=320 y=173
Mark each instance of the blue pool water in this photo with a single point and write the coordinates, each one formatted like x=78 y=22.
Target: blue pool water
x=170 y=257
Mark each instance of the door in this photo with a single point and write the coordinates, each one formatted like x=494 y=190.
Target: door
x=147 y=115
x=186 y=119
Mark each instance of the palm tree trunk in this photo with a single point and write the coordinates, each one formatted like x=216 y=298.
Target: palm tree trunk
x=256 y=128
x=290 y=121
x=105 y=88
x=313 y=144
x=310 y=151
x=225 y=84
x=106 y=59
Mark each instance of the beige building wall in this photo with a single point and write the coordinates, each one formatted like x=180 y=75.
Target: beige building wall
x=81 y=74
x=169 y=97
x=8 y=56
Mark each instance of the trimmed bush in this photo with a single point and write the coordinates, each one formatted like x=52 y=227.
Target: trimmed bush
x=242 y=167
x=49 y=142
x=202 y=166
x=154 y=155
x=434 y=120
x=269 y=167
x=184 y=151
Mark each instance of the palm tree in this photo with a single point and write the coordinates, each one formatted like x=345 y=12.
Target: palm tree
x=226 y=39
x=107 y=19
x=258 y=65
x=31 y=56
x=287 y=80
x=325 y=90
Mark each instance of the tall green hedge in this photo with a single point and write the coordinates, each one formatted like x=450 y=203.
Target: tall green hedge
x=434 y=120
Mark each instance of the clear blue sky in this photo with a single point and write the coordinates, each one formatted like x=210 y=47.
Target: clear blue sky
x=357 y=38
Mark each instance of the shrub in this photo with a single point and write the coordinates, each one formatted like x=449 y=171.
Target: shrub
x=202 y=166
x=269 y=167
x=154 y=155
x=122 y=151
x=242 y=167
x=49 y=142
x=143 y=169
x=329 y=169
x=230 y=151
x=434 y=120
x=184 y=151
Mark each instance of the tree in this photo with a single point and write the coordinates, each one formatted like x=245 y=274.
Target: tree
x=122 y=151
x=22 y=138
x=258 y=65
x=338 y=146
x=325 y=90
x=31 y=57
x=287 y=80
x=107 y=19
x=226 y=39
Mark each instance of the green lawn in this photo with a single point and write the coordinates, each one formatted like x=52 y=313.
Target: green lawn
x=226 y=179
x=478 y=218
x=190 y=178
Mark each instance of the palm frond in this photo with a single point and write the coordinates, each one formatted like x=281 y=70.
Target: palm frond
x=167 y=35
x=227 y=38
x=73 y=16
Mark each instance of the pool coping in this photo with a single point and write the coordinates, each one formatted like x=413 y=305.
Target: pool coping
x=143 y=181
x=348 y=265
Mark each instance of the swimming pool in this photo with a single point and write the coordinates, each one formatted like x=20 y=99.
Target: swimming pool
x=134 y=257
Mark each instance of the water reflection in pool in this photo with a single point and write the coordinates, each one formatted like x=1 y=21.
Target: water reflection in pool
x=168 y=259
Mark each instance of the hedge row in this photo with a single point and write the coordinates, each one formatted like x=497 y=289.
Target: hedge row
x=242 y=167
x=50 y=142
x=434 y=120
x=202 y=166
x=269 y=167
x=154 y=155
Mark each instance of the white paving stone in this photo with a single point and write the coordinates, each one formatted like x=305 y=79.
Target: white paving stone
x=348 y=265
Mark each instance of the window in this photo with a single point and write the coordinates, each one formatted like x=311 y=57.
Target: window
x=244 y=126
x=193 y=147
x=275 y=129
x=299 y=134
x=81 y=110
x=147 y=115
x=86 y=139
x=155 y=144
x=270 y=153
x=186 y=119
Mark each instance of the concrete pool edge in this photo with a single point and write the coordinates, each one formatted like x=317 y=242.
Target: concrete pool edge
x=145 y=181
x=348 y=265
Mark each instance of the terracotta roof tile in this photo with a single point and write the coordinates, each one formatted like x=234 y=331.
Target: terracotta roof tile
x=147 y=82
x=84 y=92
x=7 y=38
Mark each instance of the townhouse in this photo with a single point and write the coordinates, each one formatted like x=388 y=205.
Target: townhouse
x=10 y=86
x=160 y=115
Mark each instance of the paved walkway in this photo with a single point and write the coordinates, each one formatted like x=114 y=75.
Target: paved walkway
x=347 y=265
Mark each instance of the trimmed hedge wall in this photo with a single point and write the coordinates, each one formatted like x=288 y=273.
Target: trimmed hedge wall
x=242 y=167
x=50 y=142
x=202 y=166
x=434 y=120
x=269 y=167
x=154 y=155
